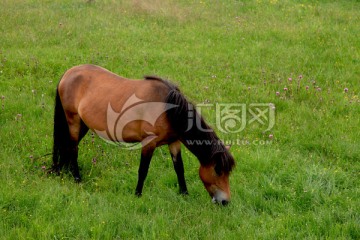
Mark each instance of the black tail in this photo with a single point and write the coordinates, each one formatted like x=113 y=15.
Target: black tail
x=61 y=135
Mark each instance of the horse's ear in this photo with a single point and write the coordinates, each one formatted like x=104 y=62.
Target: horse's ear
x=223 y=162
x=228 y=147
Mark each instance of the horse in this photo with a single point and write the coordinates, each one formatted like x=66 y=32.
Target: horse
x=151 y=111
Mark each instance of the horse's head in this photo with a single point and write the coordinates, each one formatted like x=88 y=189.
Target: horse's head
x=217 y=185
x=215 y=177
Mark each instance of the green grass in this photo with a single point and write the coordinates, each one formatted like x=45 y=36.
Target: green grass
x=304 y=183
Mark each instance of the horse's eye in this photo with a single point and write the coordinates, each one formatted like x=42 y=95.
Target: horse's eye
x=217 y=169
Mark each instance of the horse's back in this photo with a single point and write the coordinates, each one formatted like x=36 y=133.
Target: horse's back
x=89 y=91
x=87 y=79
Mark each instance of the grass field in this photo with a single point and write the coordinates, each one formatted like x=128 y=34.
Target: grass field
x=298 y=180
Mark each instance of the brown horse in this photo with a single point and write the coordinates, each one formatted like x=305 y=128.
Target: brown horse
x=152 y=111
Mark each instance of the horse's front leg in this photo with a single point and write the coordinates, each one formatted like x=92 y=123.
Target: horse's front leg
x=146 y=155
x=175 y=151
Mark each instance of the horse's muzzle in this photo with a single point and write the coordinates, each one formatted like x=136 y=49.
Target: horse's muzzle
x=220 y=198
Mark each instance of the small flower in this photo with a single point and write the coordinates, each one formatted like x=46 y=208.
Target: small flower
x=2 y=97
x=300 y=76
x=285 y=88
x=249 y=88
x=271 y=136
x=93 y=161
x=33 y=91
x=318 y=89
x=307 y=87
x=290 y=79
x=346 y=90
x=277 y=93
x=43 y=167
x=31 y=156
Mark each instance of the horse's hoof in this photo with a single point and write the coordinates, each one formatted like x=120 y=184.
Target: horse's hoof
x=77 y=179
x=53 y=170
x=138 y=194
x=184 y=193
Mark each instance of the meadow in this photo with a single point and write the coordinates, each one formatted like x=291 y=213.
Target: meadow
x=300 y=179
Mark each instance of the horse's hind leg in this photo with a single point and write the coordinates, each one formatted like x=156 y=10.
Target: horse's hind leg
x=77 y=130
x=73 y=155
x=175 y=151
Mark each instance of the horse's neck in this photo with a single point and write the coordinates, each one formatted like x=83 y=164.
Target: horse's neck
x=201 y=141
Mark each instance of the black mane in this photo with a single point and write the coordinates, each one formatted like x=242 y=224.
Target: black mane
x=169 y=84
x=201 y=140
